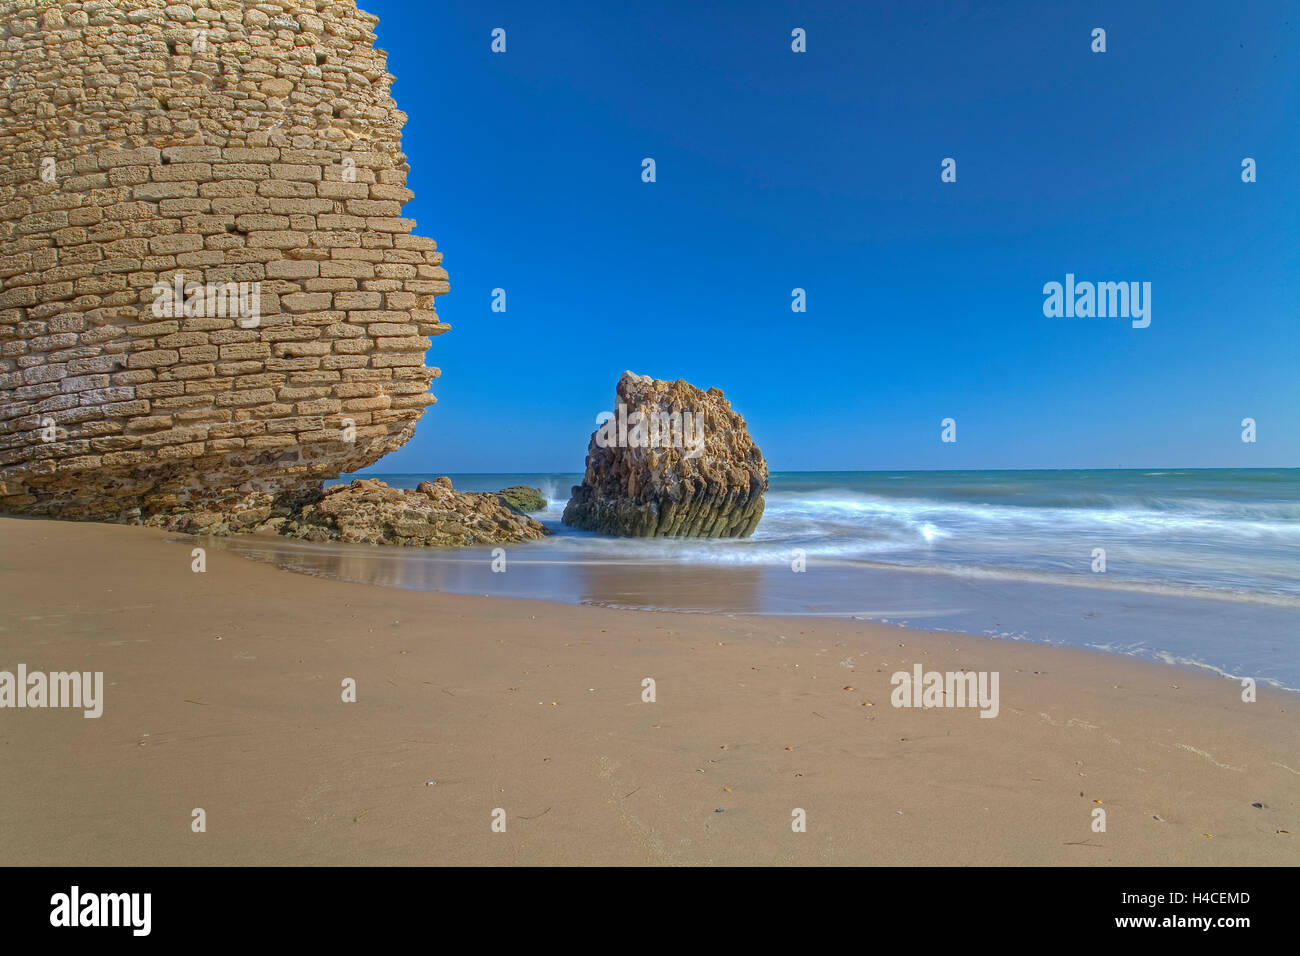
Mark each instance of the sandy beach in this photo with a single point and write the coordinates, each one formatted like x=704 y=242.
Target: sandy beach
x=222 y=691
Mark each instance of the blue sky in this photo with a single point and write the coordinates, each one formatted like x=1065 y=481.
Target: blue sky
x=821 y=170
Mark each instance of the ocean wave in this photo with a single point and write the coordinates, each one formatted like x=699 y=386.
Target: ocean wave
x=1215 y=532
x=1244 y=552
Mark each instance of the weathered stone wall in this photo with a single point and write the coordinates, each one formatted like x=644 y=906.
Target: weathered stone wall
x=227 y=141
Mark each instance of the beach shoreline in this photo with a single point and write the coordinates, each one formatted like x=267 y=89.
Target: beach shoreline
x=223 y=692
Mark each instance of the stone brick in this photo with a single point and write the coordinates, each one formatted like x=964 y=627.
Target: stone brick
x=351 y=301
x=154 y=359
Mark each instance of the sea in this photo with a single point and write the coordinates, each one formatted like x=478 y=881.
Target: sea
x=1198 y=568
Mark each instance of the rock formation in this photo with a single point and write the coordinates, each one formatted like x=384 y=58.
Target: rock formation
x=369 y=512
x=673 y=461
x=251 y=148
x=524 y=498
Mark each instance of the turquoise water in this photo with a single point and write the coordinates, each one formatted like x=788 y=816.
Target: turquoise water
x=1202 y=567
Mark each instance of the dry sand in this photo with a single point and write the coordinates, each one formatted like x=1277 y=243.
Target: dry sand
x=223 y=691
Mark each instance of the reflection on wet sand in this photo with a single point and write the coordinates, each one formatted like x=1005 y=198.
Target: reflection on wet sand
x=546 y=576
x=1178 y=629
x=734 y=590
x=467 y=570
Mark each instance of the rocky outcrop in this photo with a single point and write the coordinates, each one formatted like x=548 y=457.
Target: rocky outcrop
x=433 y=515
x=248 y=155
x=367 y=511
x=524 y=498
x=673 y=461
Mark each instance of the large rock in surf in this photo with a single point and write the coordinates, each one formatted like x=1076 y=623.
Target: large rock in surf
x=673 y=461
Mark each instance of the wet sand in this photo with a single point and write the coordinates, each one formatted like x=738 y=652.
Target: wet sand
x=223 y=692
x=1230 y=634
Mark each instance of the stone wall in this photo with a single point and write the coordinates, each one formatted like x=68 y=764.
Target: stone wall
x=230 y=142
